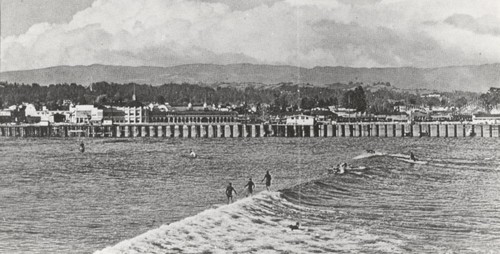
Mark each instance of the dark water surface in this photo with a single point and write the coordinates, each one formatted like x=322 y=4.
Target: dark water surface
x=54 y=199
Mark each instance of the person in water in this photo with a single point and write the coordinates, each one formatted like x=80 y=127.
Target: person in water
x=192 y=154
x=82 y=147
x=229 y=192
x=342 y=167
x=412 y=157
x=293 y=227
x=250 y=186
x=370 y=151
x=268 y=178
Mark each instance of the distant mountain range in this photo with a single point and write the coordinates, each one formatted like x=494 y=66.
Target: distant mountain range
x=465 y=78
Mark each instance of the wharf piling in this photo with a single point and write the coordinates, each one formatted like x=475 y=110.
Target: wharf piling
x=219 y=130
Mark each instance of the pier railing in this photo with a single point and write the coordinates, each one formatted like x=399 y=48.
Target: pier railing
x=385 y=129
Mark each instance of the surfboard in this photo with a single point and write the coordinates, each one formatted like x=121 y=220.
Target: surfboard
x=412 y=161
x=400 y=155
x=358 y=168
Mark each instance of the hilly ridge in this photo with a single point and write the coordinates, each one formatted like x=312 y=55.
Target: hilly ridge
x=466 y=78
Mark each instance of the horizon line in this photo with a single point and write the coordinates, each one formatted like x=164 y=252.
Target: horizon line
x=253 y=64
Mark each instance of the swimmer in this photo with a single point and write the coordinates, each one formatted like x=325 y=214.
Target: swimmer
x=192 y=154
x=342 y=168
x=339 y=169
x=82 y=147
x=293 y=227
x=229 y=192
x=370 y=151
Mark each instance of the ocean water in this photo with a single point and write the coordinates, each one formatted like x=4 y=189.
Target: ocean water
x=146 y=196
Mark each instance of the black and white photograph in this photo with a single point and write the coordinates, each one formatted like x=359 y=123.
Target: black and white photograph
x=249 y=126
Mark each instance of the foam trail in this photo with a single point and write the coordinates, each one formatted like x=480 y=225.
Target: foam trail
x=369 y=155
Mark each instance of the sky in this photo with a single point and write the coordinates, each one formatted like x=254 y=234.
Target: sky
x=307 y=33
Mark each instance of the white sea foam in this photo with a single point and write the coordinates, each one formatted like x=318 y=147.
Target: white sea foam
x=259 y=223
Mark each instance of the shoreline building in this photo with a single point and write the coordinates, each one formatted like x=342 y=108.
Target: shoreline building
x=45 y=116
x=131 y=114
x=300 y=120
x=86 y=114
x=81 y=114
x=190 y=114
x=483 y=118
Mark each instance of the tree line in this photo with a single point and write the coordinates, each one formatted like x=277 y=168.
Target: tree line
x=279 y=98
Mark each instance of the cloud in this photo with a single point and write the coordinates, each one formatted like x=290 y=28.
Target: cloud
x=482 y=25
x=17 y=16
x=380 y=46
x=363 y=33
x=243 y=5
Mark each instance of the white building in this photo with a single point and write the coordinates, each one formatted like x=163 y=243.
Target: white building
x=486 y=119
x=46 y=116
x=81 y=113
x=398 y=118
x=401 y=108
x=30 y=110
x=344 y=112
x=300 y=120
x=431 y=95
x=136 y=114
x=85 y=114
x=441 y=109
x=6 y=112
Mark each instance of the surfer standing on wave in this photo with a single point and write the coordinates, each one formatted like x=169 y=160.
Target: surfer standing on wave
x=229 y=192
x=268 y=178
x=412 y=157
x=342 y=168
x=251 y=186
